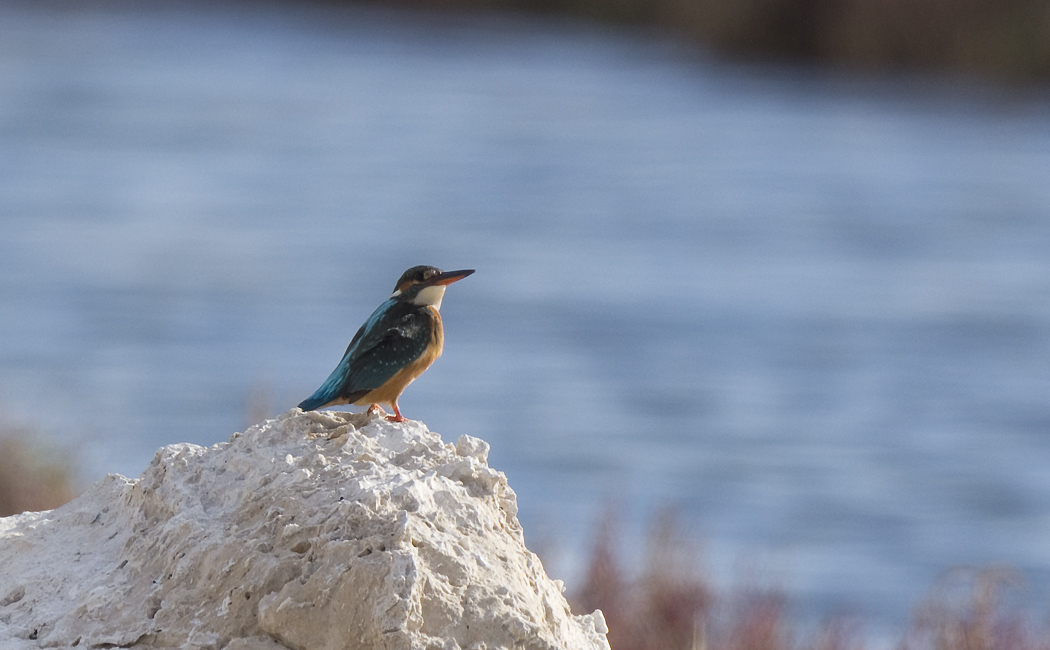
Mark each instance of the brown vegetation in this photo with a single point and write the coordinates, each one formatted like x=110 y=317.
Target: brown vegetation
x=1005 y=39
x=967 y=610
x=32 y=476
x=671 y=606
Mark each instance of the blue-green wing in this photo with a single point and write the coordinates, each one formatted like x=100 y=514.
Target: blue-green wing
x=392 y=337
x=373 y=366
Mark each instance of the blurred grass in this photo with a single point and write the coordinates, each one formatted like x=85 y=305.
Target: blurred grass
x=1007 y=40
x=33 y=475
x=670 y=605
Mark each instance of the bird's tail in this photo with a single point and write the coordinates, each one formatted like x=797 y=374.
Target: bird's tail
x=312 y=402
x=329 y=391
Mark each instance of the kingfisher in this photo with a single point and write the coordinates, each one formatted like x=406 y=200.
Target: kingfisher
x=400 y=340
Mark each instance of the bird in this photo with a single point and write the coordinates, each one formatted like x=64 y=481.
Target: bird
x=399 y=341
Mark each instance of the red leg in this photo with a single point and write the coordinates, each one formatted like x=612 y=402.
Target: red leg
x=396 y=417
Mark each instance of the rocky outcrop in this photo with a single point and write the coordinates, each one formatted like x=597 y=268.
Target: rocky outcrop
x=315 y=531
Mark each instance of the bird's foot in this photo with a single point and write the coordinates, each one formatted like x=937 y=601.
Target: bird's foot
x=375 y=409
x=396 y=417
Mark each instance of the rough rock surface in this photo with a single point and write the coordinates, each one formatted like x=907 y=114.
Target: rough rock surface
x=311 y=531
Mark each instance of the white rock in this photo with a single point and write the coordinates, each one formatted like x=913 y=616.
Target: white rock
x=310 y=531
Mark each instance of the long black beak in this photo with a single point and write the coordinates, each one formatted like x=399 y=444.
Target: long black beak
x=448 y=277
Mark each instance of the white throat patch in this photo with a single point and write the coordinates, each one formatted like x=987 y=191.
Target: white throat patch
x=431 y=295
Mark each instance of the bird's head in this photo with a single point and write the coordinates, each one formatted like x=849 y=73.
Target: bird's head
x=425 y=285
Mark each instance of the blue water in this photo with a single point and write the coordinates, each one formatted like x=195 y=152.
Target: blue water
x=811 y=311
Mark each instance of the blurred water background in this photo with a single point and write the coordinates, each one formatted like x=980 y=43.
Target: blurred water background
x=812 y=311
